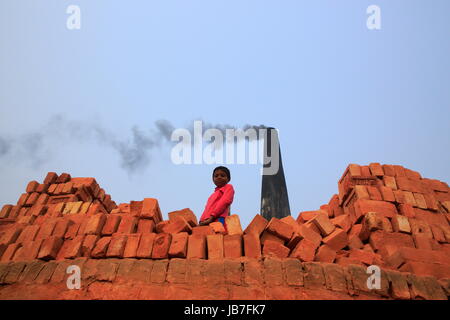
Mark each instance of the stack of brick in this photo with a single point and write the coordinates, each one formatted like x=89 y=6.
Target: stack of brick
x=383 y=215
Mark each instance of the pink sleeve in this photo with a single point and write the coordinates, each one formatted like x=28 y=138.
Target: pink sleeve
x=223 y=202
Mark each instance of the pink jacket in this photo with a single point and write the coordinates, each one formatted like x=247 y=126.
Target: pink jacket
x=219 y=202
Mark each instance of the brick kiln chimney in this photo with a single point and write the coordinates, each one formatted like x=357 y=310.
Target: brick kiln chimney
x=274 y=196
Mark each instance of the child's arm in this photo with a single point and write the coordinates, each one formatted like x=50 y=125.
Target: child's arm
x=224 y=202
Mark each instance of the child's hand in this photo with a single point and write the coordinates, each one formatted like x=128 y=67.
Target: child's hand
x=206 y=221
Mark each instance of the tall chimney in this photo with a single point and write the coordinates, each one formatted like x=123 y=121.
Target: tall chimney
x=274 y=196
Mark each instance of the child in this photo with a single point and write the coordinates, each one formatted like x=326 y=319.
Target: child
x=218 y=205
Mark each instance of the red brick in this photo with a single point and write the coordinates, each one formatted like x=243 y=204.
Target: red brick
x=51 y=177
x=295 y=239
x=364 y=256
x=354 y=242
x=380 y=239
x=376 y=169
x=275 y=249
x=161 y=246
x=407 y=210
x=305 y=251
x=325 y=254
x=420 y=227
x=354 y=169
x=422 y=241
x=420 y=200
x=42 y=199
x=365 y=171
x=430 y=217
x=95 y=224
x=399 y=196
x=431 y=201
x=88 y=244
x=364 y=206
x=426 y=269
x=72 y=231
x=61 y=227
x=10 y=251
x=50 y=248
x=387 y=194
x=409 y=198
x=127 y=225
x=46 y=230
x=346 y=261
x=342 y=222
x=160 y=226
x=232 y=245
x=252 y=246
x=405 y=254
x=280 y=229
x=187 y=214
x=361 y=192
x=438 y=233
x=323 y=224
x=117 y=245
x=85 y=207
x=202 y=230
x=135 y=208
x=146 y=226
x=178 y=246
x=310 y=235
x=95 y=208
x=218 y=227
x=42 y=188
x=30 y=250
x=63 y=178
x=82 y=194
x=308 y=215
x=257 y=225
x=74 y=249
x=101 y=247
x=373 y=221
x=52 y=189
x=5 y=211
x=68 y=188
x=146 y=246
x=399 y=171
x=196 y=246
x=28 y=234
x=32 y=186
x=335 y=209
x=401 y=224
x=11 y=235
x=233 y=224
x=23 y=199
x=178 y=224
x=336 y=240
x=214 y=243
x=269 y=236
x=111 y=224
x=312 y=226
x=390 y=182
x=374 y=193
x=151 y=210
x=388 y=170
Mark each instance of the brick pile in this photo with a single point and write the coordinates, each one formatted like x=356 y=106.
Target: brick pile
x=383 y=215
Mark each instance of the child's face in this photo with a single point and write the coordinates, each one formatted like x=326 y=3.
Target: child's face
x=220 y=178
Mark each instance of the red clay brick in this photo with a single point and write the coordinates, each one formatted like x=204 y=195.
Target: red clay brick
x=310 y=235
x=160 y=226
x=218 y=227
x=23 y=199
x=376 y=169
x=364 y=256
x=275 y=249
x=178 y=246
x=145 y=226
x=390 y=182
x=305 y=251
x=11 y=235
x=127 y=225
x=50 y=248
x=325 y=254
x=88 y=244
x=257 y=225
x=336 y=240
x=409 y=198
x=280 y=229
x=233 y=224
x=151 y=210
x=146 y=245
x=362 y=192
x=196 y=246
x=101 y=247
x=438 y=233
x=5 y=211
x=426 y=269
x=364 y=206
x=252 y=246
x=72 y=231
x=342 y=222
x=63 y=178
x=387 y=194
x=388 y=170
x=51 y=177
x=422 y=241
x=111 y=224
x=420 y=200
x=10 y=251
x=30 y=250
x=407 y=210
x=61 y=227
x=380 y=239
x=161 y=246
x=32 y=186
x=354 y=242
x=431 y=201
x=295 y=239
x=365 y=171
x=28 y=234
x=401 y=224
x=74 y=250
x=178 y=224
x=117 y=245
x=95 y=224
x=214 y=243
x=323 y=224
x=232 y=245
x=187 y=214
x=266 y=235
x=202 y=230
x=374 y=193
x=132 y=245
x=420 y=227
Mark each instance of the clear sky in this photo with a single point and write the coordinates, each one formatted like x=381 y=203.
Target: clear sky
x=338 y=92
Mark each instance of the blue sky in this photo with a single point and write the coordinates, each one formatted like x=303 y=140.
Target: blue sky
x=338 y=92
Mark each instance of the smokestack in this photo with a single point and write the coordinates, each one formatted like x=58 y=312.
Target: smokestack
x=274 y=196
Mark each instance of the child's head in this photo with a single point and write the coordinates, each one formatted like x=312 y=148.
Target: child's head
x=221 y=176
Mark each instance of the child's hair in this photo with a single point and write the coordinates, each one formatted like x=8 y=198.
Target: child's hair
x=224 y=169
